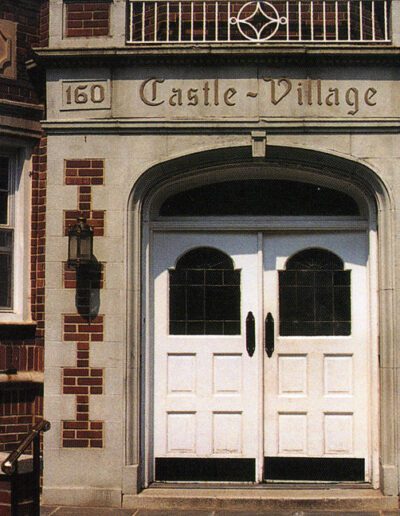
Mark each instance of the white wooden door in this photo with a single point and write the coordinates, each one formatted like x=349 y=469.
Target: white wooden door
x=317 y=379
x=206 y=385
x=296 y=413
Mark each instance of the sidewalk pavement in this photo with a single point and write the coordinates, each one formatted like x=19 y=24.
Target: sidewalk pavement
x=48 y=510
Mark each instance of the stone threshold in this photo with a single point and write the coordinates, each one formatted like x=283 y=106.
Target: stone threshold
x=242 y=499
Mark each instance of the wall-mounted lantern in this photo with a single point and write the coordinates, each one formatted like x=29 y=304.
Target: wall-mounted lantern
x=80 y=244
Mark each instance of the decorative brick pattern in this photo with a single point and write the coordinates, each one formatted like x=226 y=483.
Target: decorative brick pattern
x=87 y=19
x=84 y=174
x=83 y=328
x=82 y=381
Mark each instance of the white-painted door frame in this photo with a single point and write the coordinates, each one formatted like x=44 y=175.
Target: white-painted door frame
x=260 y=225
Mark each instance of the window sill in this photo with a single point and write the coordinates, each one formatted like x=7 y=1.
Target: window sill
x=17 y=330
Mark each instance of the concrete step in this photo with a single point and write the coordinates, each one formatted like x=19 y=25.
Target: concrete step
x=263 y=499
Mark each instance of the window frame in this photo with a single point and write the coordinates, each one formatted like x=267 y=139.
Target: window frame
x=18 y=223
x=313 y=288
x=204 y=289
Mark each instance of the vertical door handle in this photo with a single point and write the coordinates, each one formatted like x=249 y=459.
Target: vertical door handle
x=269 y=335
x=250 y=334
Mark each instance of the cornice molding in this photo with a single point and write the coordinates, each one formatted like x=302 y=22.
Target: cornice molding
x=311 y=56
x=288 y=125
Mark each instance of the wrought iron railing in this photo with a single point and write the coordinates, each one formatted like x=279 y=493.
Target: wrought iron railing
x=10 y=467
x=199 y=22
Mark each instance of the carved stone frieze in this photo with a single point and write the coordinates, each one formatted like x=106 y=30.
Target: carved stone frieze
x=8 y=49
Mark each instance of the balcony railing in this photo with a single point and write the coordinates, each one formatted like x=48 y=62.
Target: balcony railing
x=205 y=22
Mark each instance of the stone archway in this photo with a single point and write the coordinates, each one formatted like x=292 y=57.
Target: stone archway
x=330 y=169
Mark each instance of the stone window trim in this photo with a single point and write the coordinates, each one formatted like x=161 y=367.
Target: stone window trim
x=16 y=225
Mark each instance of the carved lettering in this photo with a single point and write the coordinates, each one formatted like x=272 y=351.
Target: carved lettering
x=193 y=98
x=176 y=97
x=352 y=99
x=287 y=89
x=206 y=89
x=86 y=95
x=228 y=95
x=97 y=94
x=143 y=92
x=300 y=94
x=333 y=97
x=369 y=95
x=282 y=92
x=208 y=95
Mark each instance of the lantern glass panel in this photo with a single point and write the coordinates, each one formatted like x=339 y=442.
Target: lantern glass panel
x=86 y=247
x=73 y=247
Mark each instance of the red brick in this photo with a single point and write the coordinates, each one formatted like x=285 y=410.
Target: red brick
x=75 y=390
x=75 y=425
x=76 y=372
x=96 y=443
x=85 y=434
x=75 y=443
x=90 y=381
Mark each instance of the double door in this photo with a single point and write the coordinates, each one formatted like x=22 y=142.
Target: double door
x=260 y=361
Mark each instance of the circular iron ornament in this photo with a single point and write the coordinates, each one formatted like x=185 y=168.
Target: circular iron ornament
x=260 y=9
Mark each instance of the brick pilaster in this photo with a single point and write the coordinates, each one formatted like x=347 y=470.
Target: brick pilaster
x=83 y=328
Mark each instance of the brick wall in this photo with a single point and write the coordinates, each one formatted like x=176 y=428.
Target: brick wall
x=22 y=348
x=85 y=174
x=31 y=30
x=23 y=489
x=44 y=24
x=38 y=235
x=87 y=19
x=20 y=409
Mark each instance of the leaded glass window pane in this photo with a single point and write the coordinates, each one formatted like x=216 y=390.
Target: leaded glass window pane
x=5 y=269
x=204 y=294
x=314 y=295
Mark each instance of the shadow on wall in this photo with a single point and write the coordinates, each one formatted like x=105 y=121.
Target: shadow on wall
x=89 y=279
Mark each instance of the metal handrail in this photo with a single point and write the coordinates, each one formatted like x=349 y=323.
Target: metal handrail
x=9 y=465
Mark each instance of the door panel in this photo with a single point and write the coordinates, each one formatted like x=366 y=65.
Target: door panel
x=206 y=394
x=231 y=399
x=316 y=387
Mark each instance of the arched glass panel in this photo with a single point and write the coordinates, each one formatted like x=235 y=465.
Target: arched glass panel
x=314 y=295
x=204 y=292
x=259 y=197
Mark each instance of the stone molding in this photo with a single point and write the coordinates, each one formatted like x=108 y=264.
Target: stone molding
x=336 y=166
x=8 y=49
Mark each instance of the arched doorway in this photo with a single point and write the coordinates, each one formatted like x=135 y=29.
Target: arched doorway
x=348 y=236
